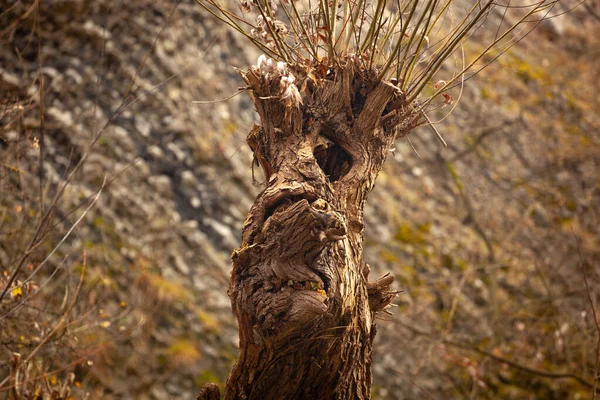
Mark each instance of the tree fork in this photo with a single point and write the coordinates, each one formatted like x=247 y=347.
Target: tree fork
x=299 y=288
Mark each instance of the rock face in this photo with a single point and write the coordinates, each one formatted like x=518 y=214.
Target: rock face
x=479 y=234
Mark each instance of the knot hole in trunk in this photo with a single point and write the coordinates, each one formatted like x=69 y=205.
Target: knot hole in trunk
x=333 y=160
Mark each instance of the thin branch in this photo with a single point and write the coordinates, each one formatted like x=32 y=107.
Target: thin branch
x=65 y=237
x=511 y=363
x=592 y=11
x=485 y=133
x=240 y=90
x=595 y=377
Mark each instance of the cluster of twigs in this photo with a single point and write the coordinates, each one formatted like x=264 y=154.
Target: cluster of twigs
x=405 y=41
x=28 y=382
x=38 y=239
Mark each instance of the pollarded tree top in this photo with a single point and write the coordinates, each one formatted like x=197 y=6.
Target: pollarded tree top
x=419 y=46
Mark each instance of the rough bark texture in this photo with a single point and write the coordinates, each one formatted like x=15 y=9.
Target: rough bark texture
x=299 y=287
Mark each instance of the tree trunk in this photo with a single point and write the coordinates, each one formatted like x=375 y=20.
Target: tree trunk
x=298 y=286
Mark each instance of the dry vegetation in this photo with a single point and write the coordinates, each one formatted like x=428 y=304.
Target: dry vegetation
x=114 y=259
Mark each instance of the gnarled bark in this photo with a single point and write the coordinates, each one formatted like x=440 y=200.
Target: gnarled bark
x=298 y=286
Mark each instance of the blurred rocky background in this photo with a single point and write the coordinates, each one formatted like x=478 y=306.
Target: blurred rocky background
x=121 y=201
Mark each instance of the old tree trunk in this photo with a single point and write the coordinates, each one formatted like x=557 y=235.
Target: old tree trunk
x=299 y=287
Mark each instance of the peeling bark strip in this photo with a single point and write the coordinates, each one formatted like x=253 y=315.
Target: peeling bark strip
x=298 y=285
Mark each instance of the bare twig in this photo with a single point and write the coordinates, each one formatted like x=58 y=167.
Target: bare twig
x=49 y=256
x=485 y=133
x=497 y=358
x=594 y=13
x=41 y=230
x=595 y=377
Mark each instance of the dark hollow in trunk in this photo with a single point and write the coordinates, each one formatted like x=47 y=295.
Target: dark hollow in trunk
x=298 y=286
